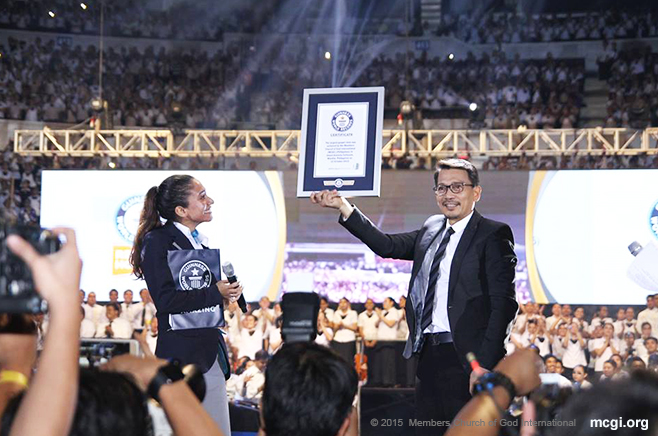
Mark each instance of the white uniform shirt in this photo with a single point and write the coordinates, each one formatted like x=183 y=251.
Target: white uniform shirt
x=254 y=384
x=128 y=312
x=650 y=316
x=619 y=327
x=274 y=338
x=543 y=343
x=344 y=334
x=329 y=313
x=440 y=321
x=607 y=353
x=232 y=328
x=322 y=339
x=574 y=354
x=142 y=314
x=95 y=313
x=151 y=341
x=368 y=322
x=250 y=343
x=262 y=319
x=558 y=348
x=629 y=326
x=384 y=332
x=121 y=328
x=403 y=327
x=87 y=329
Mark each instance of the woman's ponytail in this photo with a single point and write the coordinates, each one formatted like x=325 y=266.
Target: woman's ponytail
x=148 y=220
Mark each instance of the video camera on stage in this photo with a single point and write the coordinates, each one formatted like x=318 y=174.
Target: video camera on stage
x=17 y=293
x=300 y=316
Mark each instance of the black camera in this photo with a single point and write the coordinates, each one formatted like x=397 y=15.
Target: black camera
x=300 y=316
x=17 y=293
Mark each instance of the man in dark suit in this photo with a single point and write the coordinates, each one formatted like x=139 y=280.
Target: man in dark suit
x=461 y=293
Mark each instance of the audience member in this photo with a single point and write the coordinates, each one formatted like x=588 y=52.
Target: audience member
x=344 y=325
x=308 y=390
x=114 y=327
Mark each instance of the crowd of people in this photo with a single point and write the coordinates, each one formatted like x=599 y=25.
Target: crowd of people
x=585 y=350
x=577 y=161
x=45 y=81
x=55 y=82
x=211 y=20
x=632 y=78
x=505 y=27
x=543 y=93
x=582 y=349
x=252 y=337
x=129 y=19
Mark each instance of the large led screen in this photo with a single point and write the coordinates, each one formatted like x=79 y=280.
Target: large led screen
x=581 y=224
x=248 y=226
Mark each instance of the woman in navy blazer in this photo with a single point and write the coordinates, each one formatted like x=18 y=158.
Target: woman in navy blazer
x=182 y=201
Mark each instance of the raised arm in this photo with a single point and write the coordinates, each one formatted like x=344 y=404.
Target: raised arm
x=184 y=411
x=396 y=246
x=49 y=403
x=388 y=322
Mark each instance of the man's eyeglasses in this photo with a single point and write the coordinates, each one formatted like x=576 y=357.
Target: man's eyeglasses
x=455 y=188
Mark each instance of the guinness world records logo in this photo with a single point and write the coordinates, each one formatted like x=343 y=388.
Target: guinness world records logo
x=194 y=275
x=127 y=219
x=342 y=121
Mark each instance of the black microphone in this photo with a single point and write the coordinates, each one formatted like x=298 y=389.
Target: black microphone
x=227 y=267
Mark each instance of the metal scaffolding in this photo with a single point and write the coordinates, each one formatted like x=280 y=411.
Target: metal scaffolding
x=282 y=143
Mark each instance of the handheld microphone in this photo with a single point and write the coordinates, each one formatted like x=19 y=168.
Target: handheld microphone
x=227 y=267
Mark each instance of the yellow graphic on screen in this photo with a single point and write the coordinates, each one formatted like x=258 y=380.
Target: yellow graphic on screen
x=121 y=261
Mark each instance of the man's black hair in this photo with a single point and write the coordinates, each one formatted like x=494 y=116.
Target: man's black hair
x=116 y=306
x=109 y=404
x=308 y=390
x=546 y=357
x=262 y=356
x=458 y=164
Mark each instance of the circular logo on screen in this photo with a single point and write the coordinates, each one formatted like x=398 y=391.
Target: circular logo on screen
x=653 y=220
x=338 y=183
x=127 y=219
x=194 y=275
x=342 y=121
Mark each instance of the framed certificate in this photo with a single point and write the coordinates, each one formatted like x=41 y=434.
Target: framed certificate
x=341 y=141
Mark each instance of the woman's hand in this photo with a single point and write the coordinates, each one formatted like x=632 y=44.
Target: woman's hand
x=230 y=291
